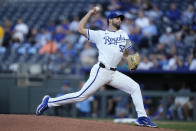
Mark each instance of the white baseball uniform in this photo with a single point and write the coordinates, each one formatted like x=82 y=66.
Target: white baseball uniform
x=111 y=45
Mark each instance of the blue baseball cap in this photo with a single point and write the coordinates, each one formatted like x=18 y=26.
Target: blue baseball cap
x=115 y=15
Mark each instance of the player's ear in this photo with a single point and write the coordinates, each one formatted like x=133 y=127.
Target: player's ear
x=110 y=20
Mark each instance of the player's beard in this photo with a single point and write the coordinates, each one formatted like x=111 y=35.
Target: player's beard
x=117 y=26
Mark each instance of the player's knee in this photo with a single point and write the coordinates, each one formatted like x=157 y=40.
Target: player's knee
x=137 y=86
x=82 y=98
x=134 y=88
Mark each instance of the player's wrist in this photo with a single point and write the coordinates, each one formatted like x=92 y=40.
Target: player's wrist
x=94 y=10
x=91 y=12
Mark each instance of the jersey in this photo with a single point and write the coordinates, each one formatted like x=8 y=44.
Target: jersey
x=110 y=45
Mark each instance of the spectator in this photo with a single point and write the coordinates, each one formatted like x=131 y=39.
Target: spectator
x=49 y=48
x=164 y=62
x=154 y=13
x=59 y=34
x=147 y=104
x=146 y=5
x=135 y=33
x=180 y=45
x=193 y=25
x=158 y=114
x=190 y=39
x=74 y=24
x=171 y=65
x=122 y=106
x=43 y=36
x=179 y=102
x=167 y=38
x=180 y=64
x=156 y=65
x=68 y=51
x=88 y=55
x=65 y=25
x=32 y=38
x=1 y=34
x=193 y=62
x=188 y=109
x=20 y=31
x=51 y=27
x=151 y=30
x=114 y=5
x=123 y=64
x=65 y=88
x=135 y=6
x=60 y=65
x=188 y=14
x=124 y=5
x=7 y=34
x=71 y=37
x=145 y=64
x=142 y=21
x=189 y=59
x=126 y=25
x=150 y=34
x=173 y=14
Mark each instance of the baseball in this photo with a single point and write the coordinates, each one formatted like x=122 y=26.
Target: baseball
x=97 y=8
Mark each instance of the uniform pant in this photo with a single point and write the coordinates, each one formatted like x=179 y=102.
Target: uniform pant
x=99 y=77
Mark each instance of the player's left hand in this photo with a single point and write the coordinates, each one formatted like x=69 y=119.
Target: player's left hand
x=133 y=61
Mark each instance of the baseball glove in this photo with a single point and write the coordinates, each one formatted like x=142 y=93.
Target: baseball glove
x=133 y=61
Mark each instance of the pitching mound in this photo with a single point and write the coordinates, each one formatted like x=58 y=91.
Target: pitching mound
x=51 y=123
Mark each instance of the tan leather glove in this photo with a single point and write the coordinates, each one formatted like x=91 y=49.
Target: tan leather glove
x=133 y=61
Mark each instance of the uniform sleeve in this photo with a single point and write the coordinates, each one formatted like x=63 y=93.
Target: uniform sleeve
x=93 y=36
x=129 y=44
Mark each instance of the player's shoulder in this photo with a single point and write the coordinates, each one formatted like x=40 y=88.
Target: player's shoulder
x=99 y=30
x=122 y=31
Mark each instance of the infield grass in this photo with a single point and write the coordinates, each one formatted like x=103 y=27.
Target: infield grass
x=186 y=126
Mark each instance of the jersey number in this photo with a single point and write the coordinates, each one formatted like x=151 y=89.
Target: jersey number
x=122 y=48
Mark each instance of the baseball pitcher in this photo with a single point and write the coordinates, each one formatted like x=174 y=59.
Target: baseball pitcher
x=112 y=44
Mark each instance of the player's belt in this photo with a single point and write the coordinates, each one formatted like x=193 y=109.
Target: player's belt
x=103 y=66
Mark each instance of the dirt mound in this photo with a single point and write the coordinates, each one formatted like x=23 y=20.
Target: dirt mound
x=51 y=123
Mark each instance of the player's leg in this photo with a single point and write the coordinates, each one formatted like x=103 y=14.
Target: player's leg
x=131 y=87
x=95 y=81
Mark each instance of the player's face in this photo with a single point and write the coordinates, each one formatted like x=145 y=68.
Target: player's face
x=116 y=22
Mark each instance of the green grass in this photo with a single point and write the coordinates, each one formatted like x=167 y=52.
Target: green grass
x=186 y=126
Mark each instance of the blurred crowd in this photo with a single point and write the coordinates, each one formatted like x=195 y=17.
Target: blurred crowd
x=165 y=39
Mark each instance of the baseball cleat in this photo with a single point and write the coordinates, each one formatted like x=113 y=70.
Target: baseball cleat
x=43 y=106
x=145 y=121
